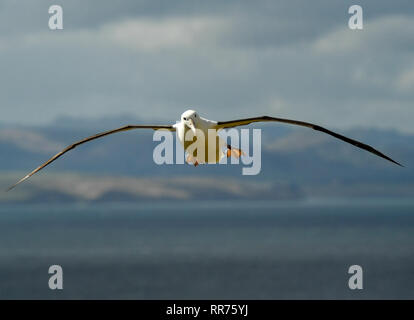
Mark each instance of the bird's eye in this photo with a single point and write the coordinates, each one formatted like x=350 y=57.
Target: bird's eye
x=195 y=116
x=185 y=119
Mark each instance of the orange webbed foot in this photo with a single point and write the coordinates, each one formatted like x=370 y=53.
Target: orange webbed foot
x=237 y=153
x=191 y=160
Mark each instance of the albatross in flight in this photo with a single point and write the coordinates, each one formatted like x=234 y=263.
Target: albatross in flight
x=191 y=121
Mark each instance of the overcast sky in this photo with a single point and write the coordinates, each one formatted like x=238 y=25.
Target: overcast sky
x=226 y=59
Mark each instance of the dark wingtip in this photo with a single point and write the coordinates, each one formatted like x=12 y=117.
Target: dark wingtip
x=10 y=188
x=18 y=182
x=397 y=163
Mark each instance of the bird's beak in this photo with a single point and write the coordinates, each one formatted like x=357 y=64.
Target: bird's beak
x=192 y=126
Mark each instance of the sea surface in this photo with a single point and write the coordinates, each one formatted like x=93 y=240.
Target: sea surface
x=209 y=250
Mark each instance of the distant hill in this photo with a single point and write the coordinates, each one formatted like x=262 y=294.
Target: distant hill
x=296 y=162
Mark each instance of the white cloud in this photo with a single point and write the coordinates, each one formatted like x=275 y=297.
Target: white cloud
x=136 y=34
x=154 y=35
x=405 y=81
x=31 y=141
x=384 y=33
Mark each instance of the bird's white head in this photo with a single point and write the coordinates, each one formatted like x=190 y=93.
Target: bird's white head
x=190 y=119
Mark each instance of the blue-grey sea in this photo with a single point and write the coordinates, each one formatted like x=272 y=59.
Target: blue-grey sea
x=209 y=250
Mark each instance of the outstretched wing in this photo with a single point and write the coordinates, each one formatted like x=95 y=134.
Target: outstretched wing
x=242 y=122
x=96 y=136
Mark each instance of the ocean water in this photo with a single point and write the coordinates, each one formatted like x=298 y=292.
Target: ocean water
x=209 y=250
